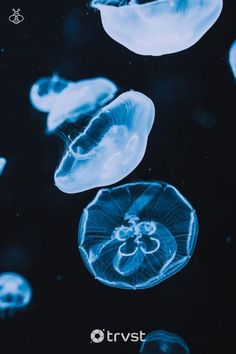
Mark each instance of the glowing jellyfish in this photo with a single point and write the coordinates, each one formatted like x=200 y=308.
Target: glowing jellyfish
x=232 y=58
x=136 y=235
x=3 y=163
x=111 y=146
x=44 y=92
x=162 y=342
x=68 y=101
x=157 y=27
x=80 y=98
x=15 y=292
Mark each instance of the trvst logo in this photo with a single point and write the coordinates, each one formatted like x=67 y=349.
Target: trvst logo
x=98 y=336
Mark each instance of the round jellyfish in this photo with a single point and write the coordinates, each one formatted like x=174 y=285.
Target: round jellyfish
x=15 y=292
x=157 y=27
x=111 y=146
x=136 y=235
x=3 y=163
x=162 y=342
x=44 y=92
x=80 y=98
x=232 y=58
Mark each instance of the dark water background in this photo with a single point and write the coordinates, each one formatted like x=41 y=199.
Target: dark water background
x=191 y=146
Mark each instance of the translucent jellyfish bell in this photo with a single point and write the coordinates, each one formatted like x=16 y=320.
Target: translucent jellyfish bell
x=44 y=92
x=162 y=342
x=157 y=27
x=80 y=98
x=232 y=58
x=111 y=146
x=137 y=235
x=15 y=292
x=3 y=163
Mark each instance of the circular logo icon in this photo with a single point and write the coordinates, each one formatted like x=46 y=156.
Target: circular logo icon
x=97 y=336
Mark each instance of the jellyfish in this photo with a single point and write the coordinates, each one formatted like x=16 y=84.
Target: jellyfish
x=68 y=101
x=232 y=58
x=3 y=163
x=15 y=292
x=110 y=147
x=81 y=98
x=45 y=91
x=137 y=235
x=163 y=342
x=204 y=119
x=157 y=27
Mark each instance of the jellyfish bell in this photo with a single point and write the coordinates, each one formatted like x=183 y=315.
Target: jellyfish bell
x=137 y=235
x=80 y=98
x=3 y=163
x=45 y=91
x=162 y=342
x=157 y=27
x=15 y=292
x=232 y=58
x=111 y=146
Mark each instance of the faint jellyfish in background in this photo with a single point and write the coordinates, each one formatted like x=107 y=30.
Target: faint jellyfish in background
x=204 y=119
x=15 y=293
x=79 y=29
x=232 y=58
x=157 y=27
x=15 y=256
x=111 y=146
x=162 y=342
x=3 y=163
x=69 y=102
x=136 y=235
x=44 y=92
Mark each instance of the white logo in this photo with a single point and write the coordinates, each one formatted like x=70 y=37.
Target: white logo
x=97 y=336
x=16 y=17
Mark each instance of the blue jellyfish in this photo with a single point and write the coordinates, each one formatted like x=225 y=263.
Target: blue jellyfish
x=204 y=119
x=157 y=27
x=15 y=292
x=68 y=101
x=136 y=235
x=111 y=146
x=3 y=163
x=232 y=58
x=162 y=342
x=45 y=91
x=81 y=98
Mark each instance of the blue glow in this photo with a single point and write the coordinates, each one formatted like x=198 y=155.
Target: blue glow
x=15 y=292
x=157 y=27
x=68 y=101
x=3 y=163
x=232 y=58
x=162 y=342
x=136 y=235
x=80 y=98
x=45 y=91
x=111 y=146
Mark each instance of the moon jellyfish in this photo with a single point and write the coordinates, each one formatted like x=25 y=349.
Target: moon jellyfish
x=136 y=235
x=15 y=292
x=111 y=146
x=3 y=163
x=80 y=98
x=162 y=342
x=232 y=58
x=68 y=101
x=44 y=92
x=157 y=27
